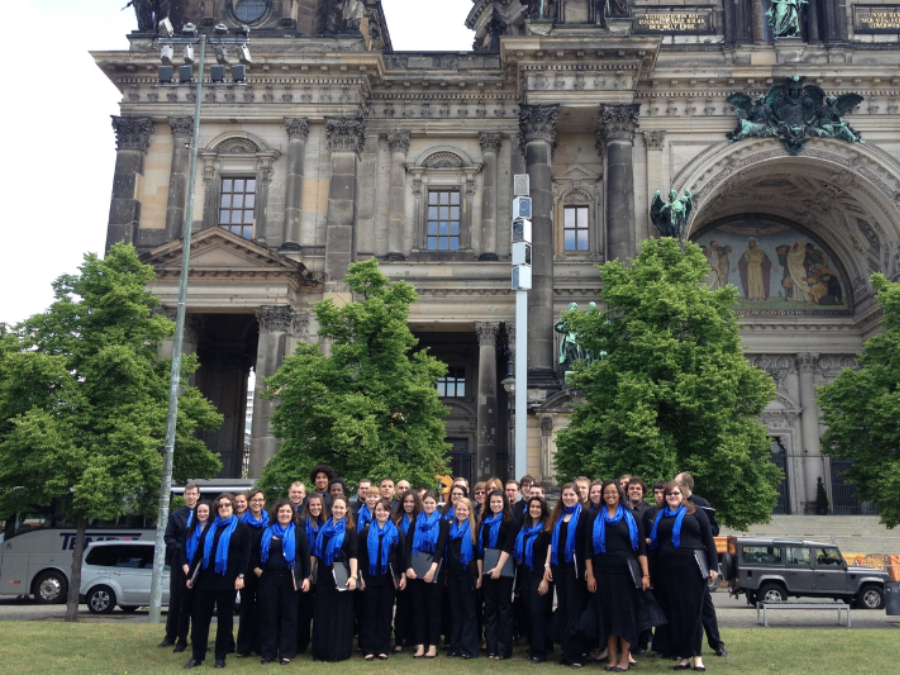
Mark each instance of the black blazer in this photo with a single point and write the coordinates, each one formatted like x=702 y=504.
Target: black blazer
x=175 y=528
x=707 y=508
x=581 y=536
x=443 y=536
x=238 y=560
x=182 y=551
x=506 y=538
x=347 y=550
x=276 y=561
x=396 y=556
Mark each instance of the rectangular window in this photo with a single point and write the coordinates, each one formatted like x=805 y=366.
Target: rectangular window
x=453 y=384
x=443 y=220
x=797 y=555
x=762 y=554
x=576 y=228
x=237 y=206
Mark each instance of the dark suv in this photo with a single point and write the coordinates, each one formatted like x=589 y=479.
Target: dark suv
x=772 y=570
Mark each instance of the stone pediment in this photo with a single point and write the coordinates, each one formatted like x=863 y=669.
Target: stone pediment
x=218 y=255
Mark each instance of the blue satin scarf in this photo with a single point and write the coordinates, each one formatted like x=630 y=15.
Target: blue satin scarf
x=678 y=514
x=603 y=519
x=364 y=517
x=335 y=531
x=229 y=525
x=288 y=545
x=379 y=544
x=312 y=528
x=248 y=519
x=525 y=545
x=404 y=522
x=461 y=531
x=570 y=533
x=427 y=530
x=494 y=523
x=451 y=514
x=193 y=541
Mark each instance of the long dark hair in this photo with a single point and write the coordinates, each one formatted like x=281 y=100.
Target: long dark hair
x=323 y=517
x=623 y=500
x=195 y=523
x=351 y=523
x=545 y=510
x=449 y=504
x=487 y=513
x=273 y=512
x=558 y=509
x=417 y=507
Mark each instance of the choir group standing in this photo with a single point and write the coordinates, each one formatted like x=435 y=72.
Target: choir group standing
x=317 y=569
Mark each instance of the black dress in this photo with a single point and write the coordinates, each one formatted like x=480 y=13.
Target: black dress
x=679 y=585
x=539 y=607
x=379 y=594
x=498 y=620
x=332 y=634
x=617 y=597
x=571 y=590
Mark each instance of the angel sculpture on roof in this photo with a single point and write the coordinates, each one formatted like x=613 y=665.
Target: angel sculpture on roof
x=671 y=217
x=829 y=121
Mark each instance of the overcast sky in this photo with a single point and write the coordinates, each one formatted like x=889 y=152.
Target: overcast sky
x=59 y=144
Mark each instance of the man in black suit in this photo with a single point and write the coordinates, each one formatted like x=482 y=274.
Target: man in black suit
x=362 y=489
x=297 y=495
x=710 y=625
x=177 y=621
x=386 y=488
x=635 y=489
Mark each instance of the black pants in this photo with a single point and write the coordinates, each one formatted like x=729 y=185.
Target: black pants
x=185 y=613
x=377 y=610
x=540 y=613
x=571 y=596
x=305 y=605
x=463 y=613
x=425 y=600
x=403 y=628
x=710 y=624
x=248 y=639
x=278 y=614
x=498 y=615
x=176 y=625
x=224 y=603
x=521 y=628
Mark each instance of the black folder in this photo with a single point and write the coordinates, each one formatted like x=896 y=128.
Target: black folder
x=634 y=568
x=492 y=557
x=341 y=575
x=700 y=557
x=421 y=564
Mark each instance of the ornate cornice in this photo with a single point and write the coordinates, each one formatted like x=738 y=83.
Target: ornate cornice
x=807 y=361
x=132 y=133
x=398 y=141
x=346 y=133
x=275 y=318
x=487 y=333
x=182 y=127
x=537 y=123
x=297 y=128
x=490 y=142
x=654 y=140
x=617 y=123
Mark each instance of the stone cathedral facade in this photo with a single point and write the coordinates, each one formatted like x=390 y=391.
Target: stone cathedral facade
x=339 y=148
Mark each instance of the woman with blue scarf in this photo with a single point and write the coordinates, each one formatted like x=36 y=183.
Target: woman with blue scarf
x=336 y=544
x=191 y=542
x=366 y=513
x=428 y=540
x=497 y=532
x=616 y=555
x=218 y=570
x=683 y=538
x=530 y=552
x=311 y=519
x=382 y=551
x=281 y=564
x=405 y=520
x=564 y=566
x=463 y=580
x=257 y=519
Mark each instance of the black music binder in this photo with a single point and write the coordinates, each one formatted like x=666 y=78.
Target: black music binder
x=421 y=564
x=492 y=557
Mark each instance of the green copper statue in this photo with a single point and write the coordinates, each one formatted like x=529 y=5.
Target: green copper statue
x=570 y=350
x=670 y=218
x=784 y=17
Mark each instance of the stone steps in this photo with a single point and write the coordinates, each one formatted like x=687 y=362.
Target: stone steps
x=853 y=534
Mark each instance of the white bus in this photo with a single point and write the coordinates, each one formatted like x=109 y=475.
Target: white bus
x=37 y=544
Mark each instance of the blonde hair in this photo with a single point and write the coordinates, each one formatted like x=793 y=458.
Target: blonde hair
x=465 y=501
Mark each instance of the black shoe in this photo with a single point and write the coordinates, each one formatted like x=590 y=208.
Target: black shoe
x=180 y=647
x=537 y=659
x=220 y=664
x=284 y=662
x=166 y=643
x=265 y=662
x=193 y=664
x=241 y=656
x=452 y=655
x=638 y=651
x=721 y=651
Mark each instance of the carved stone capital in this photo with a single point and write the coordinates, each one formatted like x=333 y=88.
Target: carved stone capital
x=398 y=141
x=654 y=139
x=300 y=325
x=490 y=142
x=297 y=128
x=275 y=318
x=132 y=133
x=346 y=133
x=618 y=123
x=487 y=333
x=546 y=425
x=538 y=123
x=807 y=361
x=182 y=127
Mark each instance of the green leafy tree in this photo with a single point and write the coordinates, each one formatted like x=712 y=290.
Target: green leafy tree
x=83 y=401
x=673 y=391
x=371 y=407
x=862 y=411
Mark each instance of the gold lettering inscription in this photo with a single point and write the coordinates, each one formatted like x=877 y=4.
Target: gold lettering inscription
x=879 y=20
x=674 y=22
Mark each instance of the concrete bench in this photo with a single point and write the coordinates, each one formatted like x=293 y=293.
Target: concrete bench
x=766 y=606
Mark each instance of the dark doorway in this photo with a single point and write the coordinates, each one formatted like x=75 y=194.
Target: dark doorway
x=779 y=457
x=461 y=461
x=843 y=493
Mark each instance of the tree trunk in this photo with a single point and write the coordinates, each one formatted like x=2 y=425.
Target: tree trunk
x=75 y=576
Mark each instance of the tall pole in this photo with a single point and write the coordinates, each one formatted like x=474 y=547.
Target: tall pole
x=165 y=487
x=521 y=383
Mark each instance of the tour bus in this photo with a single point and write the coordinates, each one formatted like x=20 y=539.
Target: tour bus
x=36 y=544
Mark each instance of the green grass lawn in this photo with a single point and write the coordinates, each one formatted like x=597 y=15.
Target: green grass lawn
x=119 y=649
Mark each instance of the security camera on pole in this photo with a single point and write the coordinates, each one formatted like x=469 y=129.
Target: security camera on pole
x=521 y=284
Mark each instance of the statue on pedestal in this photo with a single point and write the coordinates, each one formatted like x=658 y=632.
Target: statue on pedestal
x=670 y=218
x=784 y=17
x=570 y=350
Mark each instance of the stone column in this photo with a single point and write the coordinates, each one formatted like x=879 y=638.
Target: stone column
x=616 y=136
x=274 y=325
x=297 y=129
x=757 y=22
x=654 y=141
x=537 y=134
x=182 y=128
x=490 y=147
x=812 y=21
x=487 y=411
x=346 y=137
x=809 y=425
x=132 y=139
x=400 y=234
